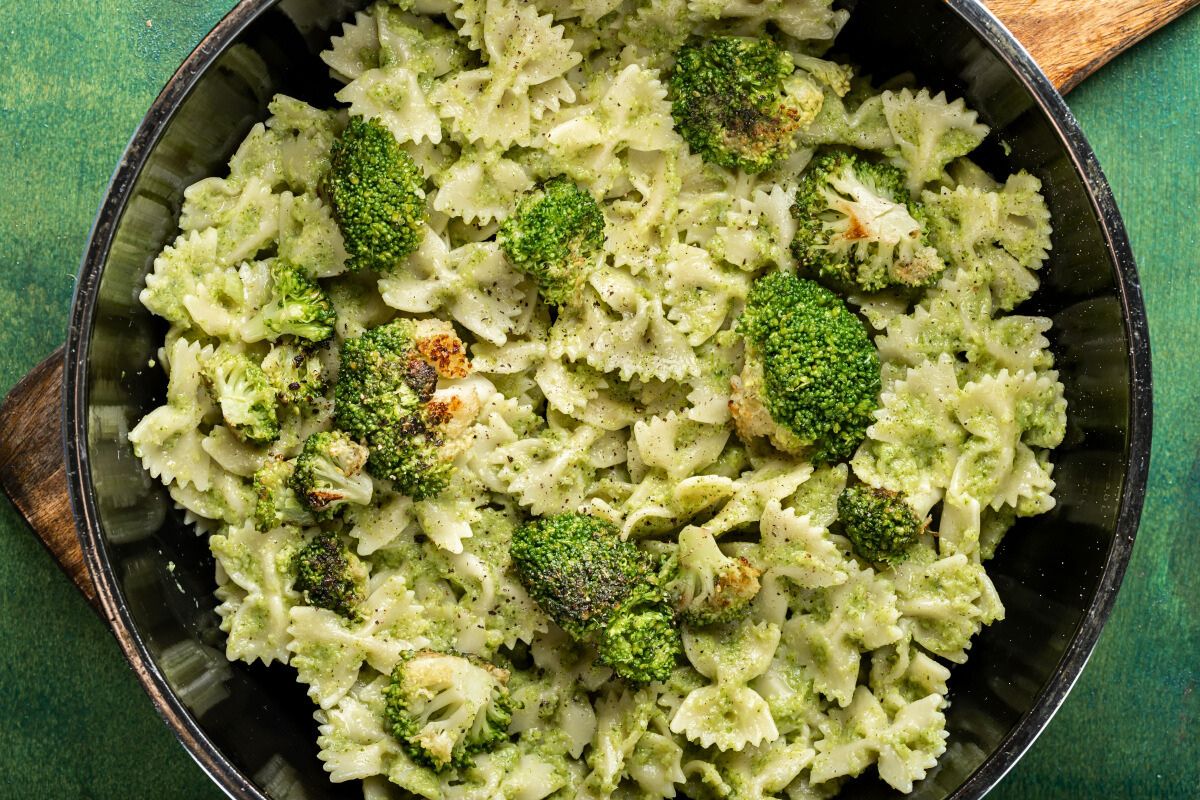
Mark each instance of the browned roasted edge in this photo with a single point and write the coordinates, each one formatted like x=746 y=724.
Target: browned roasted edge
x=1071 y=39
x=32 y=471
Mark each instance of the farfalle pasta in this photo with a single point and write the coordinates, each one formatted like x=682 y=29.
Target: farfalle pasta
x=458 y=336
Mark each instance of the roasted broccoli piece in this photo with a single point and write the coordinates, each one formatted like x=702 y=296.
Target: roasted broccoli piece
x=245 y=395
x=329 y=576
x=444 y=707
x=858 y=229
x=378 y=196
x=554 y=238
x=329 y=473
x=578 y=569
x=297 y=375
x=385 y=397
x=277 y=503
x=811 y=380
x=879 y=523
x=735 y=104
x=298 y=307
x=709 y=587
x=600 y=589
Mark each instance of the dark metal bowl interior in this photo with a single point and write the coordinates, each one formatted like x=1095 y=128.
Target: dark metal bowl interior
x=1057 y=574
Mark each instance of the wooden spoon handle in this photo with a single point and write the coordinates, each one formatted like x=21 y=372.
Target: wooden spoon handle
x=32 y=471
x=1071 y=39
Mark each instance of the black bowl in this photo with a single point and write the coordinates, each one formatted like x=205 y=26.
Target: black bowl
x=251 y=728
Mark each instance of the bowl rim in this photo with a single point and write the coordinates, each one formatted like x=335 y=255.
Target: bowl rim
x=187 y=729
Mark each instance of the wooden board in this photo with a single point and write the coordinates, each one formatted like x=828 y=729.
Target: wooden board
x=32 y=470
x=1070 y=39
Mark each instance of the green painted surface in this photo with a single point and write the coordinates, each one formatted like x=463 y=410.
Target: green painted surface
x=76 y=77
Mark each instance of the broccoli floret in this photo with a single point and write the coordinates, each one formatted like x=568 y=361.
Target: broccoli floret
x=329 y=473
x=298 y=307
x=385 y=397
x=444 y=707
x=246 y=396
x=710 y=587
x=810 y=365
x=378 y=196
x=297 y=375
x=879 y=523
x=858 y=229
x=412 y=460
x=277 y=503
x=578 y=569
x=329 y=576
x=600 y=589
x=731 y=101
x=641 y=643
x=554 y=238
x=747 y=406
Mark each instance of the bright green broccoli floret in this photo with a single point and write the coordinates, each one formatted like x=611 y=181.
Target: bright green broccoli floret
x=276 y=501
x=554 y=238
x=384 y=397
x=246 y=396
x=879 y=523
x=329 y=473
x=377 y=195
x=858 y=229
x=731 y=104
x=811 y=369
x=641 y=643
x=297 y=375
x=444 y=707
x=298 y=307
x=329 y=576
x=601 y=589
x=710 y=587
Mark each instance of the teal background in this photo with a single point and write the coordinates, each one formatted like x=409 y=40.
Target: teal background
x=76 y=78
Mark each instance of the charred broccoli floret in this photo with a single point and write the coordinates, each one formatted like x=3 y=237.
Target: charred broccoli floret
x=710 y=587
x=297 y=375
x=385 y=397
x=444 y=708
x=245 y=395
x=578 y=569
x=554 y=238
x=329 y=576
x=879 y=523
x=276 y=502
x=378 y=196
x=811 y=380
x=858 y=229
x=329 y=473
x=601 y=589
x=298 y=307
x=733 y=102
